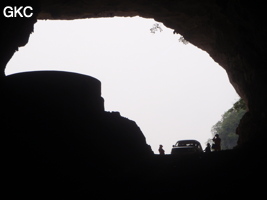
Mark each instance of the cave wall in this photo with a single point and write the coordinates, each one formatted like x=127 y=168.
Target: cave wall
x=232 y=32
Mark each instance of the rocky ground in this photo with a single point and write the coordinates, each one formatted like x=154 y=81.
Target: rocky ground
x=224 y=175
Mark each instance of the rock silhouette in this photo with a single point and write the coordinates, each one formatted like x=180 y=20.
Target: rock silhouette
x=55 y=122
x=59 y=141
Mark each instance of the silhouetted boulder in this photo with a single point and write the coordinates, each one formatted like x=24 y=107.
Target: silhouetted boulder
x=57 y=129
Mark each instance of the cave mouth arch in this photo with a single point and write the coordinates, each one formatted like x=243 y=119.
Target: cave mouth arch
x=158 y=61
x=231 y=32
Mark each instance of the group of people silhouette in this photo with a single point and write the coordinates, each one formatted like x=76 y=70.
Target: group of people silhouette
x=216 y=146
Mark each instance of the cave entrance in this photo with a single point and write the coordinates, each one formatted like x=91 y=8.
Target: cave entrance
x=173 y=91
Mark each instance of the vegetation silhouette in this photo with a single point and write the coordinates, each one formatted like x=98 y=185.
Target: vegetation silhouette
x=228 y=124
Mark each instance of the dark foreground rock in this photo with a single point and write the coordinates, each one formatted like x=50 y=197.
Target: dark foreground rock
x=60 y=143
x=58 y=136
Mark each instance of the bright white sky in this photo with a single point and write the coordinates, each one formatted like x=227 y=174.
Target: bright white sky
x=171 y=90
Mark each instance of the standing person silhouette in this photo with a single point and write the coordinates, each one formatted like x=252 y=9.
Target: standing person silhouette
x=207 y=149
x=217 y=142
x=161 y=150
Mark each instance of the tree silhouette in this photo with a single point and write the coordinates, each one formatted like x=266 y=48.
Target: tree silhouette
x=155 y=28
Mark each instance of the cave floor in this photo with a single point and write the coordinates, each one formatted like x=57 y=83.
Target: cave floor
x=226 y=174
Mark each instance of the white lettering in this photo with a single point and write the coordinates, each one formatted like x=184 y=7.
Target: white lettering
x=18 y=11
x=24 y=11
x=8 y=13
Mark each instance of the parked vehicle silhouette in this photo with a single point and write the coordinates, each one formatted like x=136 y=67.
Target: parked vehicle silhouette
x=186 y=147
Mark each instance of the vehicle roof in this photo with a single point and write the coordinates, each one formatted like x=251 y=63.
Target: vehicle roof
x=185 y=141
x=183 y=147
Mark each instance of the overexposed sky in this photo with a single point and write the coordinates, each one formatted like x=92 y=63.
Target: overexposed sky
x=171 y=90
